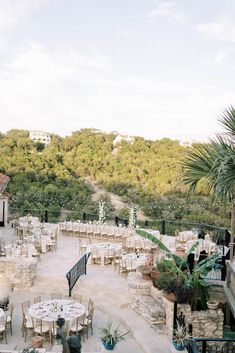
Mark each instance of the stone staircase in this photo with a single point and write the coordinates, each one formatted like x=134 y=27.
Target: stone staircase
x=149 y=303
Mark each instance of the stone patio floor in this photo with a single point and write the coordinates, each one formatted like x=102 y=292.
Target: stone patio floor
x=105 y=286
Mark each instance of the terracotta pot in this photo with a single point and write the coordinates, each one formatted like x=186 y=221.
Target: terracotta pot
x=170 y=296
x=212 y=305
x=146 y=277
x=180 y=252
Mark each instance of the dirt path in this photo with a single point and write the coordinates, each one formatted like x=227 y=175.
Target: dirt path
x=115 y=199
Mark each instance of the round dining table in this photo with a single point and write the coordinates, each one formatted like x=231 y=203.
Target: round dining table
x=104 y=249
x=43 y=240
x=18 y=250
x=50 y=310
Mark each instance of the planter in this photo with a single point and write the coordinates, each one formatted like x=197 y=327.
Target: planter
x=178 y=346
x=212 y=304
x=146 y=277
x=180 y=252
x=170 y=296
x=145 y=271
x=109 y=346
x=155 y=275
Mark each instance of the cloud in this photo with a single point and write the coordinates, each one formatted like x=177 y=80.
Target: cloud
x=65 y=90
x=12 y=11
x=167 y=10
x=125 y=33
x=224 y=59
x=223 y=29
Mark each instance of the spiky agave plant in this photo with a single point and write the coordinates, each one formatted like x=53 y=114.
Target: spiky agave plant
x=110 y=335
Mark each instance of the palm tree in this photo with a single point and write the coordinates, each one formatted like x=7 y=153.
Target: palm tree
x=211 y=167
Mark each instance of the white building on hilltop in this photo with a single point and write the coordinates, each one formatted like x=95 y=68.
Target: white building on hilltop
x=120 y=138
x=40 y=136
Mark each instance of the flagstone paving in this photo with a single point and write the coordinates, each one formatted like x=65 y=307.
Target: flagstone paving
x=104 y=285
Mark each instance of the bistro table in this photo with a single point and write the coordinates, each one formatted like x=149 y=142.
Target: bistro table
x=50 y=310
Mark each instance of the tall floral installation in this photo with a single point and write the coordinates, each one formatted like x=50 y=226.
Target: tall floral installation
x=102 y=215
x=133 y=217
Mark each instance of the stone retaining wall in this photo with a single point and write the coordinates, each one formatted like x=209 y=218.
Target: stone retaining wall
x=20 y=272
x=157 y=310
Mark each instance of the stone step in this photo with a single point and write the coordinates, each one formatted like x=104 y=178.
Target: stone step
x=150 y=309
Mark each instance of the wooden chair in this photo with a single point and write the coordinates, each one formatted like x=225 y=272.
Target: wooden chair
x=9 y=318
x=37 y=299
x=27 y=326
x=56 y=295
x=77 y=327
x=90 y=305
x=95 y=257
x=122 y=268
x=40 y=328
x=25 y=307
x=3 y=331
x=117 y=260
x=87 y=324
x=108 y=257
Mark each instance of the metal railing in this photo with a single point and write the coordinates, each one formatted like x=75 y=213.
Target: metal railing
x=164 y=226
x=77 y=271
x=211 y=345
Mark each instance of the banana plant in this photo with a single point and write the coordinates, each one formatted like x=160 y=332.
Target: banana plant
x=195 y=279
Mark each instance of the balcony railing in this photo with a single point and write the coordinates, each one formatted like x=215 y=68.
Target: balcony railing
x=211 y=345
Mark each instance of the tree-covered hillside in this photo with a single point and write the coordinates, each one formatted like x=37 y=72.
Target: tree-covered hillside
x=143 y=172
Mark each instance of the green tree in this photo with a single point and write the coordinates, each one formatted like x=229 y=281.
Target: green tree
x=211 y=167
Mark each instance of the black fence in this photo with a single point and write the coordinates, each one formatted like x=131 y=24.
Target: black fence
x=169 y=227
x=211 y=345
x=77 y=271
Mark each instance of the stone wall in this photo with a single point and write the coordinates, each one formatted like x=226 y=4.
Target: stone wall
x=20 y=272
x=149 y=306
x=152 y=305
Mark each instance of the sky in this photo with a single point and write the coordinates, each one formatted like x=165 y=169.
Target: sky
x=151 y=68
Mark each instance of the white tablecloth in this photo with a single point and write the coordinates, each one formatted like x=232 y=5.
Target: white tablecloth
x=50 y=310
x=44 y=240
x=132 y=261
x=187 y=235
x=103 y=249
x=138 y=242
x=15 y=250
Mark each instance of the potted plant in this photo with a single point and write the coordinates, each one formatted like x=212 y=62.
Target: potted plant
x=167 y=283
x=111 y=336
x=180 y=337
x=158 y=269
x=212 y=304
x=195 y=278
x=184 y=293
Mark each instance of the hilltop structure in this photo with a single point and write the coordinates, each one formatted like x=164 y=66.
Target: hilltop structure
x=120 y=138
x=40 y=136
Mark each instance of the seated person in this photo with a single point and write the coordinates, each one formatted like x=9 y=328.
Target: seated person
x=74 y=343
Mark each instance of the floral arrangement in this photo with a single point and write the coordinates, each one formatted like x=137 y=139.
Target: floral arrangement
x=133 y=217
x=29 y=350
x=102 y=216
